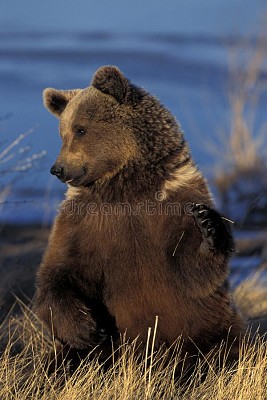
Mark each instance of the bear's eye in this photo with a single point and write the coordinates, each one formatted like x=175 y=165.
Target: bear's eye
x=80 y=132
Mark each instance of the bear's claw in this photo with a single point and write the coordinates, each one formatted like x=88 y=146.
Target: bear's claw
x=214 y=229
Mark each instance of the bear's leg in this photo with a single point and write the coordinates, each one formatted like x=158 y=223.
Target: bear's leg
x=214 y=228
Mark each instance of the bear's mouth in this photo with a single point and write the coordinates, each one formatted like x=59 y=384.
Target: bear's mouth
x=75 y=180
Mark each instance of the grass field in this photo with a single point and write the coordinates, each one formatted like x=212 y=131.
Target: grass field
x=23 y=374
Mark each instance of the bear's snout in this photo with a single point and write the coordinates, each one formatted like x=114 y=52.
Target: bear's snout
x=66 y=174
x=57 y=170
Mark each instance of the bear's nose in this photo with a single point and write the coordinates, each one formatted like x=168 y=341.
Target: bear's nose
x=57 y=170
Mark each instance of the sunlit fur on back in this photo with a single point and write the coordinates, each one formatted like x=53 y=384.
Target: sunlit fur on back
x=126 y=246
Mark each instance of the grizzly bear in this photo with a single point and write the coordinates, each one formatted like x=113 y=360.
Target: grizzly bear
x=137 y=236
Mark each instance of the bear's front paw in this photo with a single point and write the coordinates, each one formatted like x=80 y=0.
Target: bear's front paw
x=75 y=327
x=214 y=229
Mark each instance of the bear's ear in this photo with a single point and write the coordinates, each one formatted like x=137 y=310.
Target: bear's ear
x=110 y=80
x=56 y=100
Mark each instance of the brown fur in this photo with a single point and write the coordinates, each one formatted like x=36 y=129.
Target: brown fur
x=105 y=273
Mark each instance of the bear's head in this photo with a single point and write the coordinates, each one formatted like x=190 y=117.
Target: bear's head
x=110 y=127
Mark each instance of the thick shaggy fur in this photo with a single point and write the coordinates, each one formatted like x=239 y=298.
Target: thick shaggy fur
x=137 y=236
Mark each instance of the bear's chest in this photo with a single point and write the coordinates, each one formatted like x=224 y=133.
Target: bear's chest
x=113 y=240
x=110 y=233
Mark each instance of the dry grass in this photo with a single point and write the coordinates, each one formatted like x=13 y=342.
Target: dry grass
x=246 y=87
x=245 y=143
x=240 y=148
x=251 y=294
x=14 y=159
x=23 y=374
